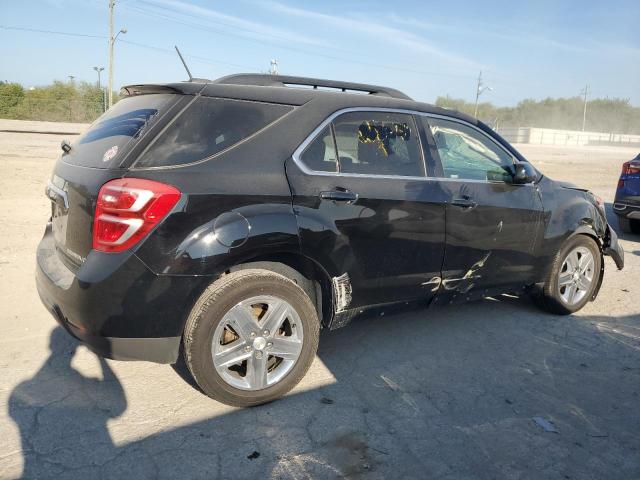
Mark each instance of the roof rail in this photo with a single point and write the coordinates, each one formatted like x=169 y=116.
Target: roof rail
x=266 y=80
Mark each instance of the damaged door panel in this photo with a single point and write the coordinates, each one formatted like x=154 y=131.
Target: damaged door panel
x=491 y=223
x=387 y=239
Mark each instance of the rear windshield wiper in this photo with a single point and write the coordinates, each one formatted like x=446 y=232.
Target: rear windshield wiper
x=65 y=146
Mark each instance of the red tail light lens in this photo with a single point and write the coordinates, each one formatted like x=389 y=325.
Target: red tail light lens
x=630 y=168
x=128 y=209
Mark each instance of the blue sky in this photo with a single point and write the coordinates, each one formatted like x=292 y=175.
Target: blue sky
x=525 y=49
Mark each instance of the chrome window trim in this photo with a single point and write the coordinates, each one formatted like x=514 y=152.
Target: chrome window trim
x=311 y=137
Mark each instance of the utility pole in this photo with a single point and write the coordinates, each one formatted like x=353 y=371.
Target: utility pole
x=479 y=89
x=112 y=4
x=71 y=77
x=274 y=67
x=584 y=92
x=112 y=40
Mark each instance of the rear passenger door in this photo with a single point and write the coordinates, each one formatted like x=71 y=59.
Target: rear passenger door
x=491 y=224
x=365 y=209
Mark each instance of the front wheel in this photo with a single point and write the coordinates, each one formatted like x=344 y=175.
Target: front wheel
x=251 y=337
x=574 y=276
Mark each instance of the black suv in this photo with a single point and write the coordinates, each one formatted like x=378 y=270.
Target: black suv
x=239 y=217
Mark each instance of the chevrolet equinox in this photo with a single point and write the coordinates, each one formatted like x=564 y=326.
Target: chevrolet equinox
x=232 y=220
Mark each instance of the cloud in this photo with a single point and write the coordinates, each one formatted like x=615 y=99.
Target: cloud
x=372 y=28
x=520 y=36
x=255 y=29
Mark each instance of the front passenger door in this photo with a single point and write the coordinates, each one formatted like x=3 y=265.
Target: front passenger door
x=491 y=224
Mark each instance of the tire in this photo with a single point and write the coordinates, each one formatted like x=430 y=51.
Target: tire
x=554 y=296
x=222 y=311
x=628 y=225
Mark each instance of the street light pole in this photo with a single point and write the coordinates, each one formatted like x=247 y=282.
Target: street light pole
x=98 y=69
x=102 y=93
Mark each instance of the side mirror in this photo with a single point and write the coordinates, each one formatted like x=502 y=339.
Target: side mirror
x=524 y=173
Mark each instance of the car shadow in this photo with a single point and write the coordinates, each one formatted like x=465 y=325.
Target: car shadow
x=447 y=392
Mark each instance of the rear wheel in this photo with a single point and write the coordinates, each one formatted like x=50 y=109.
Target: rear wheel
x=628 y=225
x=251 y=337
x=574 y=276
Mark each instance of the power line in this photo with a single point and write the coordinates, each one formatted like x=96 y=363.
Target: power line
x=53 y=32
x=211 y=61
x=234 y=28
x=314 y=54
x=220 y=62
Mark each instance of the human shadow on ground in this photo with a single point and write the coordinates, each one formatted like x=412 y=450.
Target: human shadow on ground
x=448 y=392
x=58 y=409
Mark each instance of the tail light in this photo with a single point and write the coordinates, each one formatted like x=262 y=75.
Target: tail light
x=128 y=209
x=630 y=168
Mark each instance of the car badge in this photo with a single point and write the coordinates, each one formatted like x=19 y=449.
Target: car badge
x=109 y=154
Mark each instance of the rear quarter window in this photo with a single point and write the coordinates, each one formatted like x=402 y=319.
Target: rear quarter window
x=207 y=127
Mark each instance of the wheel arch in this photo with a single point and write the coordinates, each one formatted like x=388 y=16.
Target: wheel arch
x=310 y=276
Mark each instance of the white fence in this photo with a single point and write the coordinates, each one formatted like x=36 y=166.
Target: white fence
x=548 y=136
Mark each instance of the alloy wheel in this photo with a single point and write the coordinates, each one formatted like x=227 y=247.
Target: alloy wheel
x=257 y=343
x=576 y=275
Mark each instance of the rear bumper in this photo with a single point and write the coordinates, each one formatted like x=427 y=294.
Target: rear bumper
x=158 y=350
x=612 y=247
x=626 y=210
x=115 y=305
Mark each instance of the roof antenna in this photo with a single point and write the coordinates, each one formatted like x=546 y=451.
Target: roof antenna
x=183 y=63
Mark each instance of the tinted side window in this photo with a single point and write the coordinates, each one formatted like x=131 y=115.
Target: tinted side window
x=320 y=155
x=378 y=143
x=208 y=126
x=468 y=154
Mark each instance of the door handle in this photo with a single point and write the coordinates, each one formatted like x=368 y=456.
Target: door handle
x=342 y=196
x=464 y=201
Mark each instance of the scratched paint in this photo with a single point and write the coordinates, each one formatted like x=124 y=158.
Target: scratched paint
x=341 y=292
x=466 y=282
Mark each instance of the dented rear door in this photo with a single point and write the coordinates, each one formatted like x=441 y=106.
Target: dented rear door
x=379 y=236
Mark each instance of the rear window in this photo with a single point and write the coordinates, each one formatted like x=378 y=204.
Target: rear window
x=110 y=136
x=207 y=127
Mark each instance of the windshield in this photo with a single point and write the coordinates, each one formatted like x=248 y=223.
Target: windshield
x=110 y=136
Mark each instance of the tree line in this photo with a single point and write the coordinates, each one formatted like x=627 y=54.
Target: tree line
x=84 y=102
x=609 y=115
x=58 y=102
